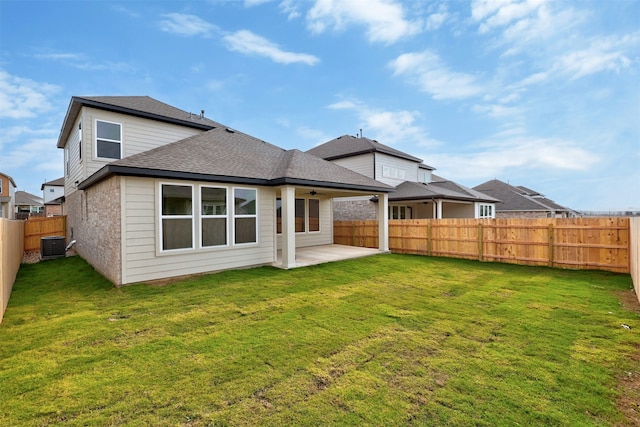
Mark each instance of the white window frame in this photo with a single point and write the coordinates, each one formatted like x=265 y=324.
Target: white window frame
x=236 y=216
x=306 y=215
x=485 y=211
x=95 y=140
x=408 y=212
x=162 y=217
x=202 y=217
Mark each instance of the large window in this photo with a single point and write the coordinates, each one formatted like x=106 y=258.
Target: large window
x=399 y=212
x=244 y=215
x=108 y=140
x=177 y=217
x=303 y=216
x=213 y=216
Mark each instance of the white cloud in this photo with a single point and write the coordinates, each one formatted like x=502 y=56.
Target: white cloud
x=384 y=19
x=187 y=25
x=435 y=20
x=246 y=42
x=290 y=8
x=427 y=71
x=388 y=127
x=22 y=98
x=513 y=152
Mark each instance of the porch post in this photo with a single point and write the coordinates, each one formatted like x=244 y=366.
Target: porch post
x=383 y=222
x=288 y=194
x=439 y=209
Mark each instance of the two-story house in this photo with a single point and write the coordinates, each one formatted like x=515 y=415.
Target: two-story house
x=53 y=195
x=419 y=192
x=7 y=196
x=153 y=191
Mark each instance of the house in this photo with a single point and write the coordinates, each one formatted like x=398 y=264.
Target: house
x=7 y=196
x=153 y=191
x=419 y=192
x=28 y=205
x=53 y=195
x=522 y=202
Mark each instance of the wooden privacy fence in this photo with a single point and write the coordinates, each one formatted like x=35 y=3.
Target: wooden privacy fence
x=11 y=250
x=36 y=228
x=579 y=243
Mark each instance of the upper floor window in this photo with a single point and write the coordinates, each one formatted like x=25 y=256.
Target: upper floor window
x=80 y=140
x=108 y=140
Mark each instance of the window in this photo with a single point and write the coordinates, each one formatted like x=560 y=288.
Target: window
x=486 y=211
x=66 y=160
x=108 y=140
x=314 y=215
x=302 y=217
x=80 y=140
x=177 y=217
x=213 y=216
x=245 y=217
x=391 y=172
x=399 y=212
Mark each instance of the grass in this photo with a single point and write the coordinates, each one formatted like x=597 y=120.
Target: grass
x=385 y=340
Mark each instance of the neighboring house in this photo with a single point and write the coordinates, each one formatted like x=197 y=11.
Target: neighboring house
x=152 y=192
x=522 y=202
x=419 y=193
x=7 y=196
x=53 y=195
x=28 y=205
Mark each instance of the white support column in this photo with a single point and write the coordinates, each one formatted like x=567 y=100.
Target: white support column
x=288 y=195
x=383 y=222
x=439 y=214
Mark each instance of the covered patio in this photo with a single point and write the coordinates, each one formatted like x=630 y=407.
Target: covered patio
x=313 y=255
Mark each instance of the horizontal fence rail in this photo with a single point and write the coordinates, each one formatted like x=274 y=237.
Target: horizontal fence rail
x=578 y=243
x=37 y=228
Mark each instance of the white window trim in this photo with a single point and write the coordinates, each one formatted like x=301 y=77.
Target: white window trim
x=161 y=216
x=234 y=216
x=306 y=215
x=95 y=140
x=202 y=217
x=482 y=211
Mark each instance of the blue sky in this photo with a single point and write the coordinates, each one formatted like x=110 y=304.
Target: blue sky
x=544 y=94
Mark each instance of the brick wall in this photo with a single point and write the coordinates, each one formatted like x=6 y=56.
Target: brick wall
x=52 y=210
x=93 y=220
x=356 y=210
x=521 y=214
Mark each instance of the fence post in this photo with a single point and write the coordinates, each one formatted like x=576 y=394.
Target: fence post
x=480 y=238
x=551 y=245
x=429 y=238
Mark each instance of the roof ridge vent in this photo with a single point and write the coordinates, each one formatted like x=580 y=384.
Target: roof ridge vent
x=230 y=130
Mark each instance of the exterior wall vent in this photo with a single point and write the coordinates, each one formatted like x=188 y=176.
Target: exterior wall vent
x=52 y=247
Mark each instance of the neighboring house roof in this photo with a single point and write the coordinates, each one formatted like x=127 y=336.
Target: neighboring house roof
x=439 y=188
x=55 y=183
x=139 y=106
x=518 y=198
x=10 y=179
x=22 y=198
x=225 y=155
x=349 y=146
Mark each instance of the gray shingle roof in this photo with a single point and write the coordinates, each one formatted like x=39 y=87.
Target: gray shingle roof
x=439 y=189
x=140 y=106
x=517 y=198
x=348 y=146
x=22 y=198
x=55 y=183
x=224 y=155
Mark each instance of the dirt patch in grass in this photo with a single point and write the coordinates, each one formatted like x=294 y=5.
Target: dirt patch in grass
x=629 y=382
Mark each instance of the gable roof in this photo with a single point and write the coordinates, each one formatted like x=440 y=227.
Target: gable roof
x=9 y=178
x=439 y=188
x=349 y=146
x=517 y=198
x=139 y=106
x=225 y=155
x=54 y=183
x=22 y=198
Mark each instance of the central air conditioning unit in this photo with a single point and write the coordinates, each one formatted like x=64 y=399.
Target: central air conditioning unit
x=52 y=247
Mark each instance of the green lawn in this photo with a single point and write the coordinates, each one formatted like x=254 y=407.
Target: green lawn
x=385 y=340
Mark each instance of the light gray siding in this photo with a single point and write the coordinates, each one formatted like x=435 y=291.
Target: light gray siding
x=363 y=164
x=394 y=171
x=142 y=259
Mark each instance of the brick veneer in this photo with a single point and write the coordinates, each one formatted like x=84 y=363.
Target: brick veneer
x=357 y=210
x=93 y=220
